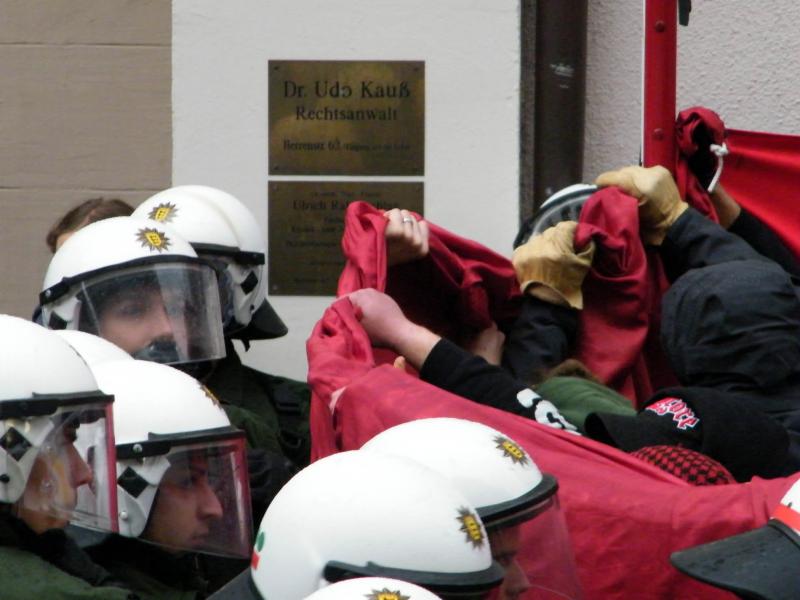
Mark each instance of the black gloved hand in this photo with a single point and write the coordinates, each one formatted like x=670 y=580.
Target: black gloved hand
x=268 y=471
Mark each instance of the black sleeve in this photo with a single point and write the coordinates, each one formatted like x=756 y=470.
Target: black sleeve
x=541 y=337
x=694 y=241
x=764 y=241
x=457 y=371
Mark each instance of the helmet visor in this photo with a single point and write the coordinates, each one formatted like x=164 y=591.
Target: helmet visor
x=225 y=287
x=203 y=500
x=164 y=312
x=549 y=567
x=71 y=467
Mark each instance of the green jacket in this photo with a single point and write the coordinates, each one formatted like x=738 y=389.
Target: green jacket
x=149 y=571
x=273 y=411
x=575 y=398
x=50 y=566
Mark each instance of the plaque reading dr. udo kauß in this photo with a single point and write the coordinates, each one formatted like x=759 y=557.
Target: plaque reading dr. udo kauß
x=346 y=117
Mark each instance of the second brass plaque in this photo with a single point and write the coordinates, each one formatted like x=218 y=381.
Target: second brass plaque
x=306 y=222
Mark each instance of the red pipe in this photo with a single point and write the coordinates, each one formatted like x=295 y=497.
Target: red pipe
x=659 y=85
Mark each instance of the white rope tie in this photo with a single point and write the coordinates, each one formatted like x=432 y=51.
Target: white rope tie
x=720 y=151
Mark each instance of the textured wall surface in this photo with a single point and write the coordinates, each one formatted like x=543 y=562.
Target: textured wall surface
x=737 y=57
x=84 y=112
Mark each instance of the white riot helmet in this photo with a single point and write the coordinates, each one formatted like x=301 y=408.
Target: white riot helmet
x=221 y=228
x=92 y=348
x=48 y=397
x=181 y=466
x=139 y=285
x=504 y=484
x=564 y=205
x=364 y=514
x=373 y=588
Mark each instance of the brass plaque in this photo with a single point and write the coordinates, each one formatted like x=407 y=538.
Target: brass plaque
x=346 y=117
x=306 y=222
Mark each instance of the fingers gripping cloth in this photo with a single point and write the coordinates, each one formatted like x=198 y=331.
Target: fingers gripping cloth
x=550 y=260
x=660 y=202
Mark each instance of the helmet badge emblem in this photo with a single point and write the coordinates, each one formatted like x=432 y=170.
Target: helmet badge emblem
x=209 y=394
x=386 y=594
x=471 y=527
x=153 y=239
x=163 y=213
x=511 y=450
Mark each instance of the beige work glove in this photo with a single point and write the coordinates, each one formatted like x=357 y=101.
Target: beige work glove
x=660 y=204
x=548 y=267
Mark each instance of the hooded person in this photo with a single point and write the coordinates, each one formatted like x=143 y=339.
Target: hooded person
x=762 y=564
x=508 y=491
x=51 y=408
x=182 y=484
x=734 y=327
x=368 y=514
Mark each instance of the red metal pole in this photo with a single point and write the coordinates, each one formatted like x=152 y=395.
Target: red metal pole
x=659 y=77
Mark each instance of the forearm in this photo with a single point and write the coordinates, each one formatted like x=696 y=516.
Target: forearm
x=764 y=241
x=454 y=369
x=414 y=342
x=694 y=241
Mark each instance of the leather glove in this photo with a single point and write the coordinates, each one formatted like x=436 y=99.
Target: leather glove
x=660 y=204
x=548 y=267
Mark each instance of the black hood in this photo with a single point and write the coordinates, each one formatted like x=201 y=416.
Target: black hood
x=735 y=325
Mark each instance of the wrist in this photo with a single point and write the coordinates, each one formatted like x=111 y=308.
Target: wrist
x=414 y=342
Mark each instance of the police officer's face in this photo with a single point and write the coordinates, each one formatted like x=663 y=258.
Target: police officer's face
x=137 y=318
x=505 y=546
x=186 y=506
x=51 y=493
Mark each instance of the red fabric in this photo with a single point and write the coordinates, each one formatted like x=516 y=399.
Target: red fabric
x=459 y=289
x=762 y=173
x=688 y=185
x=625 y=517
x=618 y=338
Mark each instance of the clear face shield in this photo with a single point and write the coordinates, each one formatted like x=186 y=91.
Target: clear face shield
x=534 y=548
x=199 y=493
x=227 y=301
x=63 y=460
x=162 y=312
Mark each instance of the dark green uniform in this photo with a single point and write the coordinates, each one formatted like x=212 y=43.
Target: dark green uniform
x=50 y=566
x=151 y=572
x=273 y=411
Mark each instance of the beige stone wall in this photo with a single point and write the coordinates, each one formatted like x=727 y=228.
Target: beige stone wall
x=85 y=111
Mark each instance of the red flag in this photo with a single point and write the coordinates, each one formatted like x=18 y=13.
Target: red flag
x=625 y=516
x=762 y=173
